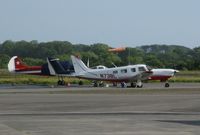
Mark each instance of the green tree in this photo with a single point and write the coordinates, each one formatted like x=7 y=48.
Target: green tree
x=4 y=60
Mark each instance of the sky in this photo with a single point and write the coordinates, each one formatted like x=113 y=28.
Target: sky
x=117 y=23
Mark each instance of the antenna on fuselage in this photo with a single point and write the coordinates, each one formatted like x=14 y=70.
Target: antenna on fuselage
x=129 y=56
x=113 y=64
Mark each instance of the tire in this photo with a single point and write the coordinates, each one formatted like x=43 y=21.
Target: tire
x=62 y=82
x=114 y=84
x=133 y=85
x=95 y=84
x=123 y=85
x=167 y=85
x=80 y=83
x=101 y=84
x=59 y=82
x=140 y=86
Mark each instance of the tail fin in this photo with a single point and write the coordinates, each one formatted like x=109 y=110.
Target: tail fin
x=78 y=64
x=50 y=67
x=16 y=64
x=55 y=66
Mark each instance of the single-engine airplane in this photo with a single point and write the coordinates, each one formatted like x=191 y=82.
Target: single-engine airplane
x=132 y=73
x=122 y=74
x=160 y=74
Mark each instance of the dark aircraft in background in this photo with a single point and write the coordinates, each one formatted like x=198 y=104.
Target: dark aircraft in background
x=63 y=68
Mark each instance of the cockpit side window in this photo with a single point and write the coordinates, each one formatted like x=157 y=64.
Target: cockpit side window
x=141 y=69
x=115 y=72
x=124 y=71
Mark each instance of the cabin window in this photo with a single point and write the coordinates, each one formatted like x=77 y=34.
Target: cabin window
x=141 y=69
x=124 y=71
x=100 y=68
x=133 y=69
x=115 y=72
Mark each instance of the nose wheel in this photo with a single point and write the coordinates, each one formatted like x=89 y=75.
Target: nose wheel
x=167 y=85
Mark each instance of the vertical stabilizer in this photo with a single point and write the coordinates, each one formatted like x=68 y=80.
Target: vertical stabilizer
x=56 y=67
x=15 y=64
x=50 y=67
x=78 y=64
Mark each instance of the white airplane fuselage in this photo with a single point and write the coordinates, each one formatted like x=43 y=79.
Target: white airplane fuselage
x=117 y=74
x=162 y=74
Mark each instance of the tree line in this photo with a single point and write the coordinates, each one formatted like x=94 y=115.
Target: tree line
x=157 y=56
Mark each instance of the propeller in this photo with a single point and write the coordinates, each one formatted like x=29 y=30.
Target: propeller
x=174 y=76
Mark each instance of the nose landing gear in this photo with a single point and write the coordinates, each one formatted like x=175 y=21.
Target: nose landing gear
x=167 y=85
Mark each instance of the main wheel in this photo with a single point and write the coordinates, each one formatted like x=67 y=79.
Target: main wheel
x=95 y=84
x=80 y=83
x=59 y=82
x=123 y=85
x=62 y=82
x=114 y=84
x=101 y=84
x=140 y=86
x=133 y=85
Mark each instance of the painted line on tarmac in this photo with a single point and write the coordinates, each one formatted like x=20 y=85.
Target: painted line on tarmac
x=99 y=113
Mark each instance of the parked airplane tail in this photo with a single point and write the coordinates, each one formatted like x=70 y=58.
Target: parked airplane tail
x=56 y=67
x=16 y=65
x=78 y=64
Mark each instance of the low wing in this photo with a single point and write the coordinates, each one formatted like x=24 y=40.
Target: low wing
x=142 y=75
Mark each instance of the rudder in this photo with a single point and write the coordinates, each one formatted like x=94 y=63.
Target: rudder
x=15 y=64
x=78 y=64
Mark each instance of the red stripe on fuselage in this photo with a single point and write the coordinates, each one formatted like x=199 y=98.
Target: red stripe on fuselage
x=162 y=78
x=29 y=68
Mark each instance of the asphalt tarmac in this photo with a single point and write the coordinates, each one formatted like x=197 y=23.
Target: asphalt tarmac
x=42 y=110
x=146 y=86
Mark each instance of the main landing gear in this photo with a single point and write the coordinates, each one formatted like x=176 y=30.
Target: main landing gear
x=98 y=84
x=61 y=81
x=80 y=82
x=137 y=84
x=166 y=85
x=123 y=85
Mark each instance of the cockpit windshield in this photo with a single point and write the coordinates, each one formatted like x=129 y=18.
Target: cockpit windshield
x=149 y=68
x=141 y=69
